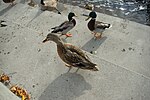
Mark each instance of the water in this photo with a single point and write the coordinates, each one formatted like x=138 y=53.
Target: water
x=134 y=10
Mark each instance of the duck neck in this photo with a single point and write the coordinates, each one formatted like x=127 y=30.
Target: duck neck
x=73 y=21
x=42 y=2
x=60 y=47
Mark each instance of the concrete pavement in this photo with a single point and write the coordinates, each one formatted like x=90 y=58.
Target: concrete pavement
x=6 y=94
x=122 y=56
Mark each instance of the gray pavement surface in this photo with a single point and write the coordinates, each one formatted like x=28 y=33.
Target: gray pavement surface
x=5 y=94
x=123 y=56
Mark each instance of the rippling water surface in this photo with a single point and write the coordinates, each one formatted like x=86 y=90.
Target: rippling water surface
x=134 y=10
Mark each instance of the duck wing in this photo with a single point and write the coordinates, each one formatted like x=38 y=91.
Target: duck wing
x=101 y=25
x=64 y=26
x=76 y=50
x=77 y=58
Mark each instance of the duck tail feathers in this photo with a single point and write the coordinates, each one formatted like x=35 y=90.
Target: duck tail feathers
x=87 y=66
x=106 y=26
x=103 y=25
x=93 y=67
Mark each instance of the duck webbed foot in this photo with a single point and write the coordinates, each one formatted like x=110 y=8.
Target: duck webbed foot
x=68 y=35
x=93 y=33
x=98 y=35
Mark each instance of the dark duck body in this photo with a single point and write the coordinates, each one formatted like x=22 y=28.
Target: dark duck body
x=65 y=26
x=96 y=26
x=71 y=55
x=9 y=1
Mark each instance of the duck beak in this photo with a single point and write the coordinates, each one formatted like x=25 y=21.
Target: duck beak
x=87 y=18
x=45 y=40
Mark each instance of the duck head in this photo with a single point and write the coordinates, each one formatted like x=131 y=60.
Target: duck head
x=52 y=37
x=92 y=15
x=70 y=15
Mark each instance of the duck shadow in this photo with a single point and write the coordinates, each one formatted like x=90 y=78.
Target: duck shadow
x=93 y=45
x=37 y=14
x=66 y=87
x=2 y=12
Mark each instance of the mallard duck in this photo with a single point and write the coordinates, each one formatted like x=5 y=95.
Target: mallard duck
x=9 y=1
x=71 y=55
x=65 y=26
x=49 y=5
x=95 y=26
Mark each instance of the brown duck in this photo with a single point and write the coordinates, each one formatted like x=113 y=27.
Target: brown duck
x=71 y=55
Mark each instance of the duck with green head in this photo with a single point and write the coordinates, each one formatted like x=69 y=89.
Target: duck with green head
x=71 y=55
x=65 y=26
x=95 y=26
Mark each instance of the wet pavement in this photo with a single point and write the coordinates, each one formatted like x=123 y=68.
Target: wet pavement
x=134 y=10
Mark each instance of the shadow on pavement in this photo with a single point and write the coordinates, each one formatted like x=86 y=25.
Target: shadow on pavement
x=2 y=12
x=66 y=87
x=93 y=44
x=37 y=14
